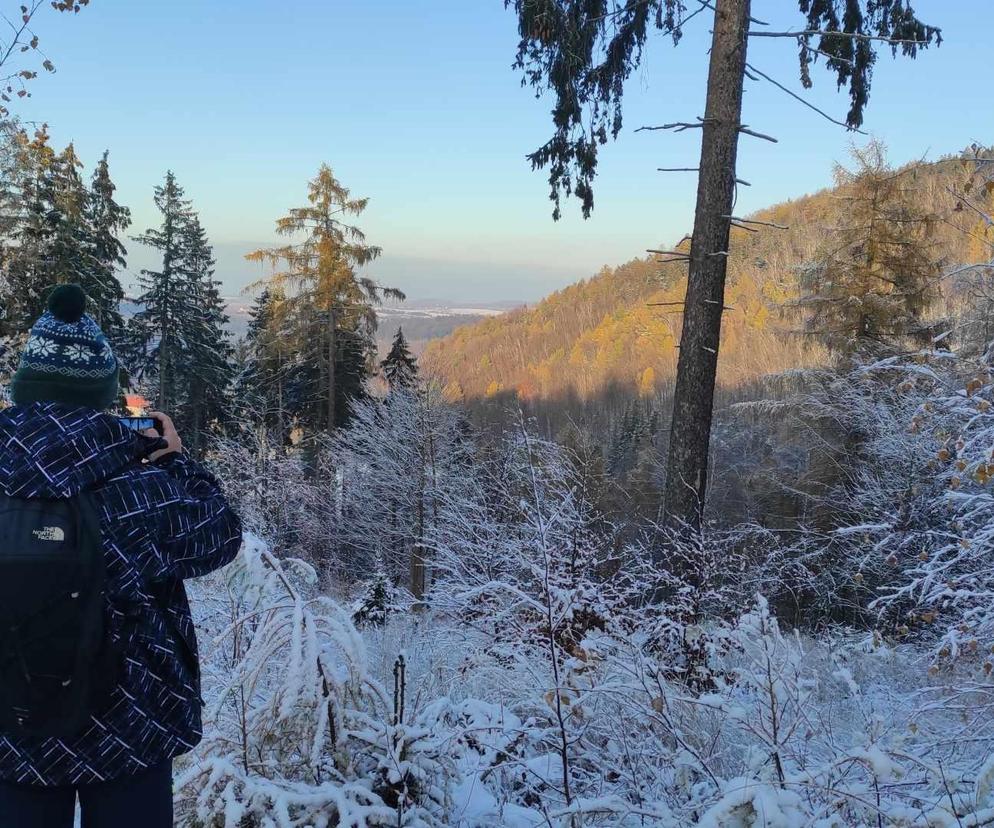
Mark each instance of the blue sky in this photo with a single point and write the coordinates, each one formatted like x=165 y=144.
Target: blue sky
x=415 y=104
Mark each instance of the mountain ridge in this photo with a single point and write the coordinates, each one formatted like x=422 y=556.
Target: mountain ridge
x=619 y=329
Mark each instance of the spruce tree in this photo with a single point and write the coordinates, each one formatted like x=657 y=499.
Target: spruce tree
x=207 y=369
x=180 y=348
x=68 y=258
x=59 y=230
x=28 y=270
x=256 y=388
x=400 y=367
x=106 y=220
x=271 y=384
x=166 y=300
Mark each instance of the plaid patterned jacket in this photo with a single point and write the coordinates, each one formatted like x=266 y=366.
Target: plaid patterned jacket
x=161 y=523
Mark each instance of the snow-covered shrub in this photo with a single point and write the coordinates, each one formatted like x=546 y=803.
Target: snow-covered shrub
x=518 y=561
x=264 y=479
x=298 y=732
x=379 y=483
x=899 y=536
x=947 y=582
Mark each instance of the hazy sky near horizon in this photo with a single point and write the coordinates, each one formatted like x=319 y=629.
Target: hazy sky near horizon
x=416 y=105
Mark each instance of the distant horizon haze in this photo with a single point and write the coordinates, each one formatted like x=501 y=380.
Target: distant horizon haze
x=434 y=128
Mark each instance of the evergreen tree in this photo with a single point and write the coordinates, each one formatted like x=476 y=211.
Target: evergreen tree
x=333 y=305
x=36 y=222
x=207 y=370
x=166 y=299
x=106 y=220
x=68 y=258
x=57 y=230
x=872 y=282
x=379 y=598
x=255 y=387
x=400 y=367
x=180 y=348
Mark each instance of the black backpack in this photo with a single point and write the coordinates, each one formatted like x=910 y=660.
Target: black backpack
x=57 y=664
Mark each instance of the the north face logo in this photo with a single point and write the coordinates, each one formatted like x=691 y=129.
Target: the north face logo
x=50 y=533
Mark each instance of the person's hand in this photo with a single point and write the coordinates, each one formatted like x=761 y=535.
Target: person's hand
x=167 y=431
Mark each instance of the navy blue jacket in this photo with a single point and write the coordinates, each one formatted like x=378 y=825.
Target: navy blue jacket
x=160 y=523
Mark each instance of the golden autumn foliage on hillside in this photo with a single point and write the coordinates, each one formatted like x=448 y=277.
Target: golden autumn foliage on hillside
x=621 y=327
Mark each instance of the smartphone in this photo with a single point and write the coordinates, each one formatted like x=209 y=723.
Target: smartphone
x=140 y=423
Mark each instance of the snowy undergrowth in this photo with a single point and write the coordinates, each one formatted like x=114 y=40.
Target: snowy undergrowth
x=420 y=723
x=560 y=672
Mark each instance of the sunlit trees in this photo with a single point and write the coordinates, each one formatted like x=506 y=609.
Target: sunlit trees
x=876 y=276
x=332 y=300
x=59 y=230
x=584 y=53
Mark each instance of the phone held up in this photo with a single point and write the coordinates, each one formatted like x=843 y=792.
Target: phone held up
x=141 y=423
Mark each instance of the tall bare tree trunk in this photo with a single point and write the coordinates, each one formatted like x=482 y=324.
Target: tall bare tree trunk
x=693 y=403
x=332 y=354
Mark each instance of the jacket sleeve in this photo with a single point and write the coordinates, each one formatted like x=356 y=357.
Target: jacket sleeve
x=195 y=530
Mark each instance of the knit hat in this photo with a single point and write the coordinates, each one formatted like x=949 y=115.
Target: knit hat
x=67 y=358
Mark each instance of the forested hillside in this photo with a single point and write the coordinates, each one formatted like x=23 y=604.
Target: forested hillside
x=464 y=597
x=620 y=328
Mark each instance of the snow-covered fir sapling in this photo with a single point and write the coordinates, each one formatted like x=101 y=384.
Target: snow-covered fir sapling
x=379 y=598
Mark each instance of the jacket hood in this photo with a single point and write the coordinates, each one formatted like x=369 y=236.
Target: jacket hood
x=55 y=451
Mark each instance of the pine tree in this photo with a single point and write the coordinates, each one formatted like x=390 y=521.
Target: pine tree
x=166 y=299
x=334 y=306
x=207 y=370
x=68 y=258
x=872 y=282
x=400 y=367
x=179 y=344
x=36 y=214
x=107 y=220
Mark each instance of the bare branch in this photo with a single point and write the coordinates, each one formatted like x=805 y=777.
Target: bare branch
x=804 y=101
x=851 y=35
x=744 y=129
x=678 y=126
x=670 y=253
x=757 y=221
x=744 y=227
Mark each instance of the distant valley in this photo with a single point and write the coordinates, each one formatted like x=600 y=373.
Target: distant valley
x=422 y=319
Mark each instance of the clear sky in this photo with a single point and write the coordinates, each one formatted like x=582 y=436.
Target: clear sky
x=415 y=104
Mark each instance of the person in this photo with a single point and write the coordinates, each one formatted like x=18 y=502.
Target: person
x=162 y=519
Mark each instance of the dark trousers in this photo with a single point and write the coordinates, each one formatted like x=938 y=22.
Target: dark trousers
x=144 y=800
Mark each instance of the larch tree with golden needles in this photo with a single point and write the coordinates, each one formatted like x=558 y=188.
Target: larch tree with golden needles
x=333 y=304
x=871 y=285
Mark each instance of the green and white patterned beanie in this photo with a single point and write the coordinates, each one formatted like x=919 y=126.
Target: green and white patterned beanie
x=67 y=358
